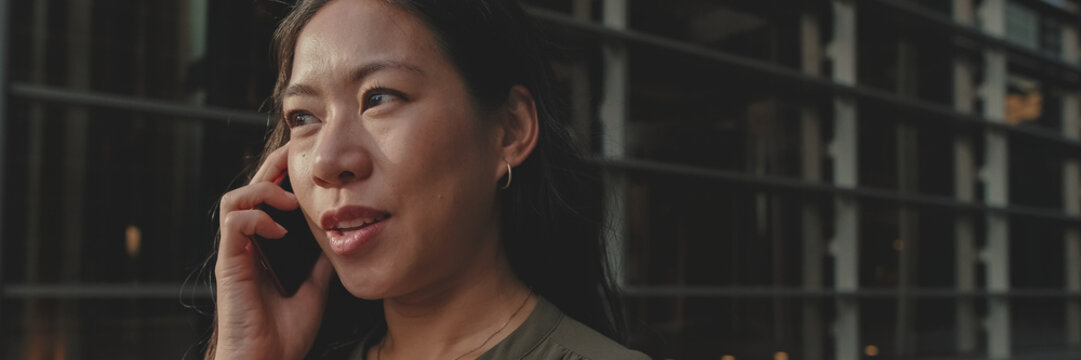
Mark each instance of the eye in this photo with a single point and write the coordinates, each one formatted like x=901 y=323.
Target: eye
x=381 y=96
x=299 y=118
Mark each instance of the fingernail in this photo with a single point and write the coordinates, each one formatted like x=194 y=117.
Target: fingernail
x=284 y=230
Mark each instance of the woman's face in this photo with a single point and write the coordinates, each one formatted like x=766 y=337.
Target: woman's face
x=392 y=164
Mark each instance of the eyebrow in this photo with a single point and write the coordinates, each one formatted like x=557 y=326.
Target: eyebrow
x=357 y=75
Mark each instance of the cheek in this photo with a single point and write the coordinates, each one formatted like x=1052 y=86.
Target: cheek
x=298 y=166
x=299 y=169
x=442 y=155
x=444 y=175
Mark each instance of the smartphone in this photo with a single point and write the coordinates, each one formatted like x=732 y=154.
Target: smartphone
x=288 y=260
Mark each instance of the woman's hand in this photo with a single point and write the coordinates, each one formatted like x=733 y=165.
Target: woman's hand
x=253 y=320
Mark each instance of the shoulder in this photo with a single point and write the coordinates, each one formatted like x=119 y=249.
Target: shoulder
x=571 y=339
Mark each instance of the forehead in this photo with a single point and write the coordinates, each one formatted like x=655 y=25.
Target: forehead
x=345 y=34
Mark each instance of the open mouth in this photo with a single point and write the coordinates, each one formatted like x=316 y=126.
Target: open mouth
x=351 y=229
x=359 y=223
x=351 y=217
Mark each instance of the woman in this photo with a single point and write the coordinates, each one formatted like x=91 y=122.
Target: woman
x=422 y=148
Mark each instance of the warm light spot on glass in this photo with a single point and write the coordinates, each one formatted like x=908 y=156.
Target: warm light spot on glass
x=871 y=350
x=780 y=355
x=898 y=245
x=133 y=239
x=728 y=357
x=1023 y=107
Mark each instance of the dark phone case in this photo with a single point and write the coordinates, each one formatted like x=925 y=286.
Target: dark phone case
x=288 y=260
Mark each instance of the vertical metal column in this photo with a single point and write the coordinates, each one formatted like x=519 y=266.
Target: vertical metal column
x=811 y=171
x=581 y=90
x=967 y=332
x=188 y=136
x=1071 y=190
x=907 y=218
x=75 y=157
x=193 y=45
x=4 y=53
x=994 y=174
x=845 y=246
x=34 y=322
x=613 y=113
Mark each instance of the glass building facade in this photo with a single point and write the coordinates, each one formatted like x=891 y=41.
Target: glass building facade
x=826 y=179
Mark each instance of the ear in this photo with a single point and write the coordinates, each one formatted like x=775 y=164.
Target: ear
x=518 y=128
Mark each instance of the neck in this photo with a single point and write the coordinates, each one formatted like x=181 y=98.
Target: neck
x=461 y=317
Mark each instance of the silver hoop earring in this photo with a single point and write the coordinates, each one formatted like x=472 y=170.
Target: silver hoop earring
x=507 y=184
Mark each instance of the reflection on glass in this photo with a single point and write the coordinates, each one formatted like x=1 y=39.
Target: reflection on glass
x=1024 y=101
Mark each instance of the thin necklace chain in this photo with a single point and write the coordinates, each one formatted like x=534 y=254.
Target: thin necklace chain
x=379 y=351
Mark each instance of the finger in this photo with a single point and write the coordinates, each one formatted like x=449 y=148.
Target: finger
x=251 y=196
x=275 y=164
x=238 y=226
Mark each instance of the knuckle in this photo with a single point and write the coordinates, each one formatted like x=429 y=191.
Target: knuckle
x=260 y=218
x=228 y=199
x=232 y=220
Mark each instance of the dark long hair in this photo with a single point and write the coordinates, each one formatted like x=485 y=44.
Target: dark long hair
x=552 y=228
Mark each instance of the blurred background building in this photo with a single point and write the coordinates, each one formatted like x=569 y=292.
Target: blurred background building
x=827 y=179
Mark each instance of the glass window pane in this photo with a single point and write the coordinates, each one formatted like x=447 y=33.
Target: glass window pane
x=106 y=195
x=120 y=328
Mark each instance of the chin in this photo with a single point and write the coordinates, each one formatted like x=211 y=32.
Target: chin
x=362 y=285
x=361 y=292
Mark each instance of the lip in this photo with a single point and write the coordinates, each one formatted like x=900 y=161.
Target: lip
x=353 y=237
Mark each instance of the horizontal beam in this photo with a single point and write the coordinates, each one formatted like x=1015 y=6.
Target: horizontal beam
x=946 y=23
x=176 y=291
x=186 y=111
x=781 y=183
x=141 y=105
x=879 y=97
x=1040 y=354
x=639 y=291
x=192 y=112
x=158 y=107
x=105 y=291
x=1045 y=8
x=888 y=99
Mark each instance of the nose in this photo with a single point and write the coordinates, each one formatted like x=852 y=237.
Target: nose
x=341 y=157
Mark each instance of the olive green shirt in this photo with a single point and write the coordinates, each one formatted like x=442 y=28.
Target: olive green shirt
x=548 y=334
